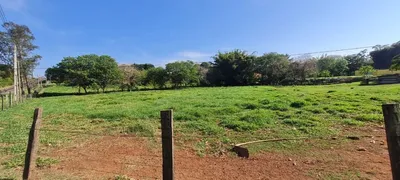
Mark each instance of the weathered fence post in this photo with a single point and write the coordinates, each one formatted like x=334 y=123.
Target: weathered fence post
x=33 y=143
x=167 y=144
x=391 y=113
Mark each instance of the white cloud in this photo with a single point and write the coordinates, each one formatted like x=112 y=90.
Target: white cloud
x=193 y=55
x=14 y=5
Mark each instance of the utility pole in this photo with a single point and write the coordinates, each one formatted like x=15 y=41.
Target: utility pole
x=16 y=77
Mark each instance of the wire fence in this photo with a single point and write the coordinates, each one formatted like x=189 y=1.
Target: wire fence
x=133 y=157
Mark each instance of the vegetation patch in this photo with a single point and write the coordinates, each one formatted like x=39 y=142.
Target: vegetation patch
x=369 y=117
x=297 y=104
x=141 y=128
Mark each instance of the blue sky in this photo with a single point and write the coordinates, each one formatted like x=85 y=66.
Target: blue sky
x=161 y=31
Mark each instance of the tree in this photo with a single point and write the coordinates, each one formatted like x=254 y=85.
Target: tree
x=339 y=67
x=325 y=73
x=55 y=74
x=183 y=73
x=142 y=67
x=22 y=37
x=232 y=68
x=77 y=70
x=395 y=63
x=104 y=71
x=273 y=67
x=367 y=71
x=157 y=77
x=131 y=77
x=383 y=55
x=300 y=70
x=326 y=63
x=356 y=61
x=336 y=65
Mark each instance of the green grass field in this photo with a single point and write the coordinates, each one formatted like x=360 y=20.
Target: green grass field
x=220 y=114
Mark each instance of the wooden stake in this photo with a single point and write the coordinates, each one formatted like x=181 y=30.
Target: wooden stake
x=167 y=144
x=33 y=143
x=391 y=113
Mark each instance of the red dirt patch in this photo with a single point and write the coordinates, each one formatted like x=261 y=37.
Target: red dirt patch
x=136 y=158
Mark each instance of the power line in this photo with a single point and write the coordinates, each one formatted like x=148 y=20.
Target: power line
x=328 y=51
x=3 y=15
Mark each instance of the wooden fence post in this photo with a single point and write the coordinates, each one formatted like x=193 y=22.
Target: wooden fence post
x=391 y=113
x=33 y=143
x=167 y=144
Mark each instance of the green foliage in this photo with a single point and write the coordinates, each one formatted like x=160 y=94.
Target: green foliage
x=131 y=77
x=158 y=77
x=336 y=65
x=142 y=67
x=6 y=82
x=367 y=71
x=22 y=37
x=232 y=68
x=205 y=127
x=356 y=61
x=383 y=55
x=238 y=125
x=395 y=63
x=183 y=73
x=325 y=73
x=297 y=104
x=142 y=128
x=302 y=69
x=42 y=162
x=369 y=117
x=104 y=71
x=273 y=67
x=86 y=71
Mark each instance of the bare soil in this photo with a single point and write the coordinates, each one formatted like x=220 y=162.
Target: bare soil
x=140 y=158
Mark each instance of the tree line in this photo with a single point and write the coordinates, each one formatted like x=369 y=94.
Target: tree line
x=233 y=68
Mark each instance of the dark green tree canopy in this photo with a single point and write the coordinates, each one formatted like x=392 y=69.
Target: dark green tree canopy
x=86 y=71
x=183 y=73
x=383 y=55
x=145 y=66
